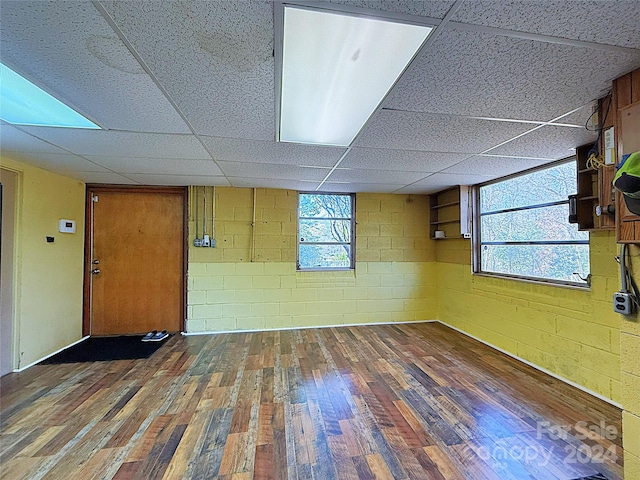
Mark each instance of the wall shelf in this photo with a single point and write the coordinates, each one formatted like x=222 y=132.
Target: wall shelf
x=457 y=220
x=446 y=204
x=450 y=212
x=594 y=188
x=448 y=238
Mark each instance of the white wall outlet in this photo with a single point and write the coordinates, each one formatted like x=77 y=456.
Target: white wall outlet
x=622 y=303
x=67 y=226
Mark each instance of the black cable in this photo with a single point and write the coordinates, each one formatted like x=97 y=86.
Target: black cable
x=630 y=281
x=600 y=128
x=586 y=124
x=635 y=294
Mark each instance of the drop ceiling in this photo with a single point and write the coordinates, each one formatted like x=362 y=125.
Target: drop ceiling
x=185 y=92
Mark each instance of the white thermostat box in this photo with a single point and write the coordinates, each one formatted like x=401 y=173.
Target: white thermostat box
x=67 y=226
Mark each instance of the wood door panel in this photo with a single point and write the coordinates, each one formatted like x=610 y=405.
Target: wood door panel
x=138 y=240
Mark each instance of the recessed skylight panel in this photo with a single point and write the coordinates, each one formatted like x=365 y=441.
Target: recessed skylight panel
x=23 y=103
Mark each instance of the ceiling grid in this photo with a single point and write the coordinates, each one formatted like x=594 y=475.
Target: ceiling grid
x=186 y=92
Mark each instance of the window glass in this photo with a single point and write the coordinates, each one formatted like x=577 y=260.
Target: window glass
x=541 y=186
x=524 y=227
x=538 y=224
x=325 y=231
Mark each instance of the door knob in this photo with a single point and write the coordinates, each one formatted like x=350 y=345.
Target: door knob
x=95 y=271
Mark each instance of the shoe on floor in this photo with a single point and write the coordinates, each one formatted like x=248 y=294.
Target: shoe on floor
x=159 y=336
x=149 y=336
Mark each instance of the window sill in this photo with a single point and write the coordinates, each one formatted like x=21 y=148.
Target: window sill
x=319 y=269
x=583 y=287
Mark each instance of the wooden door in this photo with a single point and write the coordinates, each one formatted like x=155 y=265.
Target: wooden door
x=135 y=266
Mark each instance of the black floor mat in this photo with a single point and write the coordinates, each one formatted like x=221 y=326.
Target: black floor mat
x=597 y=476
x=101 y=349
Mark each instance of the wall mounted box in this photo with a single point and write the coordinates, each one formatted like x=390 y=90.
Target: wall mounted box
x=67 y=226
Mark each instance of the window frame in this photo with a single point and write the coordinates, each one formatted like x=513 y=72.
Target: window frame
x=477 y=237
x=352 y=243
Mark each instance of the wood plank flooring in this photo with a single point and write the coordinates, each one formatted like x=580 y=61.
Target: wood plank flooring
x=415 y=401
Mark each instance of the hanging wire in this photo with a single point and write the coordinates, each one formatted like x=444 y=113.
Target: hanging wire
x=627 y=278
x=594 y=159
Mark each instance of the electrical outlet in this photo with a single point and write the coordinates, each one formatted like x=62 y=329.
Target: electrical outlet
x=622 y=303
x=205 y=241
x=213 y=243
x=197 y=242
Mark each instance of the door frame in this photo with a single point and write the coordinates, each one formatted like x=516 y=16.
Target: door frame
x=93 y=188
x=16 y=266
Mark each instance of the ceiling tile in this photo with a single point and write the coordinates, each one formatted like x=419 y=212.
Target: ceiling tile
x=384 y=159
x=14 y=140
x=273 y=183
x=258 y=151
x=360 y=187
x=215 y=59
x=547 y=142
x=479 y=74
x=68 y=49
x=585 y=20
x=65 y=162
x=494 y=167
x=580 y=117
x=273 y=171
x=440 y=181
x=435 y=133
x=122 y=144
x=159 y=166
x=422 y=8
x=375 y=176
x=99 y=177
x=178 y=180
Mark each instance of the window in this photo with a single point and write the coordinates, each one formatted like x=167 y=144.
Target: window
x=325 y=231
x=523 y=227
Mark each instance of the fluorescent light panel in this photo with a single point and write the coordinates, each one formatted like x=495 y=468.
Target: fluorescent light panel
x=336 y=69
x=23 y=103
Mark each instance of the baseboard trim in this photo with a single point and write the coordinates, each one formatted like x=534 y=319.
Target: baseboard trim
x=537 y=367
x=21 y=369
x=214 y=332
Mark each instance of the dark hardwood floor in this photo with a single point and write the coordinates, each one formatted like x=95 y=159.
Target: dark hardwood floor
x=392 y=401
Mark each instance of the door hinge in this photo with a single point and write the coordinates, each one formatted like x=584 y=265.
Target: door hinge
x=94 y=198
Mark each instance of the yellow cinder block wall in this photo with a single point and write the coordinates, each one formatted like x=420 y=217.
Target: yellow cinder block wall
x=49 y=276
x=394 y=279
x=401 y=275
x=573 y=333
